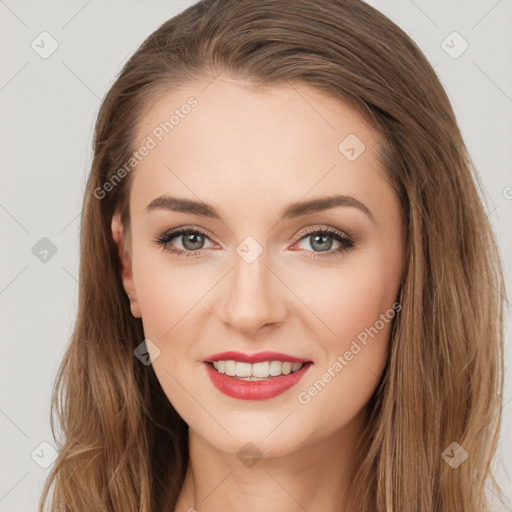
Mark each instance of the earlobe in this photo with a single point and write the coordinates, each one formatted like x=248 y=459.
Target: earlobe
x=124 y=258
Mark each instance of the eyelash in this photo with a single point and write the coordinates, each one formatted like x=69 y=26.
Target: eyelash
x=347 y=242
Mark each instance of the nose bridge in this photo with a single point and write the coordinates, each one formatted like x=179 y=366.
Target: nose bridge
x=253 y=295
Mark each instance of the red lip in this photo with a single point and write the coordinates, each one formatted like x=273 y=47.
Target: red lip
x=254 y=390
x=259 y=357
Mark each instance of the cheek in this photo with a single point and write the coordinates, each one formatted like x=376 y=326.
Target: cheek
x=356 y=304
x=348 y=300
x=169 y=296
x=166 y=292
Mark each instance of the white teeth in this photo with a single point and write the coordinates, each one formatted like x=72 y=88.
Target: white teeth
x=256 y=371
x=230 y=368
x=243 y=369
x=287 y=368
x=260 y=369
x=275 y=368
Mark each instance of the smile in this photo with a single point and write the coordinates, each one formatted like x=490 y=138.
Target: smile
x=256 y=371
x=251 y=377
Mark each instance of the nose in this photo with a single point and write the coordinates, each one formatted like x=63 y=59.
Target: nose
x=253 y=296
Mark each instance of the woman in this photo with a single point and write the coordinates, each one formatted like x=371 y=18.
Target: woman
x=291 y=297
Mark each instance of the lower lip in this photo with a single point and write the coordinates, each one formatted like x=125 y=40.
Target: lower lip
x=255 y=389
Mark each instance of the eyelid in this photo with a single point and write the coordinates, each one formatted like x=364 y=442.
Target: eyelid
x=334 y=232
x=327 y=229
x=306 y=231
x=178 y=231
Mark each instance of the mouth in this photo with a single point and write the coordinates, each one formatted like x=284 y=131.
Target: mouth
x=257 y=371
x=255 y=381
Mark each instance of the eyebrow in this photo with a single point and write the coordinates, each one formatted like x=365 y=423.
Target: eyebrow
x=293 y=210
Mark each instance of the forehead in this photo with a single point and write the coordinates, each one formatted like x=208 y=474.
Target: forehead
x=224 y=138
x=250 y=106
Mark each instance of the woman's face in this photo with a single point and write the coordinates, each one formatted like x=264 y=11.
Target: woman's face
x=261 y=271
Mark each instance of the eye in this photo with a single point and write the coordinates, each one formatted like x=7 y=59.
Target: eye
x=192 y=240
x=320 y=241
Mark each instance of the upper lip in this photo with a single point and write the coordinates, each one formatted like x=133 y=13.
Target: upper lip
x=258 y=357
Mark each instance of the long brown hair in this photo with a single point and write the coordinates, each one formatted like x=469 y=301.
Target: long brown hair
x=123 y=445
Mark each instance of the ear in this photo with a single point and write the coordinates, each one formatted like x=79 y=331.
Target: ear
x=126 y=267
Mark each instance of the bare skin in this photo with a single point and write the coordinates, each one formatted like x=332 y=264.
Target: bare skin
x=250 y=154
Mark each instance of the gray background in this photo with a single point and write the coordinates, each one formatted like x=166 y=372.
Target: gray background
x=49 y=107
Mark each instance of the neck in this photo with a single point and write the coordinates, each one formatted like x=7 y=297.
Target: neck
x=314 y=477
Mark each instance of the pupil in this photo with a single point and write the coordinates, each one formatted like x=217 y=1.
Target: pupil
x=320 y=237
x=188 y=241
